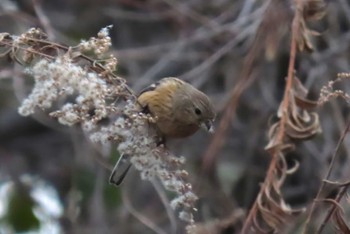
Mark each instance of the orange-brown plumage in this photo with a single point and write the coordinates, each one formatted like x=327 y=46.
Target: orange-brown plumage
x=180 y=110
x=174 y=102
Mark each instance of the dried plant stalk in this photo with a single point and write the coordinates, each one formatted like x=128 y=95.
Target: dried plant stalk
x=97 y=93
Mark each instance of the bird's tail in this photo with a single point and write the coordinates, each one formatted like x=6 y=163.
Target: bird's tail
x=120 y=170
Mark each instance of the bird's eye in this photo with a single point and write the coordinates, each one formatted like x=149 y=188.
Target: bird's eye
x=198 y=111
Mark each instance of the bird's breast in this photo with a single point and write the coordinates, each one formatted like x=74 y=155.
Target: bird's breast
x=174 y=129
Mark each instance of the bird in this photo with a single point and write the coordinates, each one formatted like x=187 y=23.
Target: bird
x=180 y=110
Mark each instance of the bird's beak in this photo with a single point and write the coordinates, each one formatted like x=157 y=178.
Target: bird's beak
x=208 y=126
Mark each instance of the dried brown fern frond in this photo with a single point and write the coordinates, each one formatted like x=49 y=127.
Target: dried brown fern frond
x=309 y=10
x=273 y=211
x=278 y=18
x=296 y=122
x=299 y=123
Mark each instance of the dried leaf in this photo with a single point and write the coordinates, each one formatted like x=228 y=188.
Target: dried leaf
x=273 y=143
x=337 y=184
x=311 y=10
x=301 y=124
x=314 y=10
x=273 y=210
x=304 y=103
x=338 y=217
x=303 y=38
x=303 y=130
x=300 y=93
x=275 y=26
x=294 y=168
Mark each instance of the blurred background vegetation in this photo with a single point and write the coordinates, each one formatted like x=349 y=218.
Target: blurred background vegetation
x=52 y=178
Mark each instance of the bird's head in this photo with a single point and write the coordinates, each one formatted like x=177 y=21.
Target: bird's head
x=195 y=108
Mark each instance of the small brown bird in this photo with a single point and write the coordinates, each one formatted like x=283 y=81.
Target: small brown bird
x=181 y=110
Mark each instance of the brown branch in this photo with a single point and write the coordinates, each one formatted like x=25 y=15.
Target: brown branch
x=330 y=168
x=334 y=207
x=142 y=218
x=166 y=203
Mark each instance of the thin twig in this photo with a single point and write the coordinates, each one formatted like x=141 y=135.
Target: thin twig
x=197 y=36
x=185 y=10
x=330 y=168
x=166 y=202
x=226 y=48
x=201 y=33
x=331 y=211
x=142 y=218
